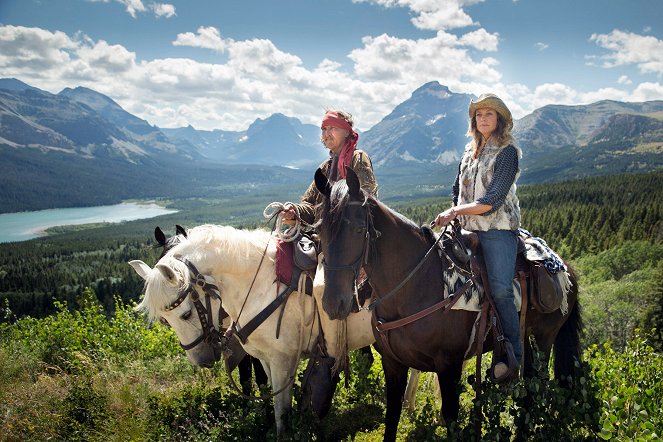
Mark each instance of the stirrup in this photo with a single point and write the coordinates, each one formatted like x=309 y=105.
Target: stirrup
x=512 y=366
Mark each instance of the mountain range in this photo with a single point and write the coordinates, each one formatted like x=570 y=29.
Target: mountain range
x=79 y=147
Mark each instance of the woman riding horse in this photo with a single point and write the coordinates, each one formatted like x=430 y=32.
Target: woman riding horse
x=414 y=290
x=485 y=201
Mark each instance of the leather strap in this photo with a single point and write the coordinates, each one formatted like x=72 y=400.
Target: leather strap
x=479 y=348
x=444 y=304
x=250 y=326
x=523 y=313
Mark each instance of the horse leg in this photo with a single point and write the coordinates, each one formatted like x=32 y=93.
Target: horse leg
x=259 y=372
x=281 y=369
x=366 y=351
x=244 y=368
x=567 y=346
x=449 y=380
x=411 y=389
x=396 y=380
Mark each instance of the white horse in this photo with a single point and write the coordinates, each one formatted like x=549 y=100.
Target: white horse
x=241 y=264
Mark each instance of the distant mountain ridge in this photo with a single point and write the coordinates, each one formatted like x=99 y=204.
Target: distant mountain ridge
x=79 y=140
x=606 y=137
x=277 y=139
x=80 y=148
x=559 y=125
x=429 y=127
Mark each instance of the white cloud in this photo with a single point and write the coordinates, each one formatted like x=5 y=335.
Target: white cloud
x=109 y=58
x=257 y=78
x=163 y=10
x=481 y=39
x=33 y=49
x=443 y=58
x=541 y=46
x=647 y=92
x=626 y=48
x=623 y=79
x=433 y=15
x=206 y=37
x=133 y=6
x=607 y=93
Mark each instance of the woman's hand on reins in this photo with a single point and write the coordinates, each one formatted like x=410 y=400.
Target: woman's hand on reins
x=445 y=217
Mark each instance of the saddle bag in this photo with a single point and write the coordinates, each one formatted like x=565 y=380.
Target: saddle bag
x=318 y=383
x=545 y=290
x=306 y=253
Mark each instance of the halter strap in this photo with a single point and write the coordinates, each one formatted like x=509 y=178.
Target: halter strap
x=362 y=259
x=197 y=280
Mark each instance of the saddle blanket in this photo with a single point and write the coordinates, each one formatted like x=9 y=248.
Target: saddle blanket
x=473 y=305
x=284 y=261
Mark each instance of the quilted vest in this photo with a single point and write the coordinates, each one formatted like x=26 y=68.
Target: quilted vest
x=475 y=177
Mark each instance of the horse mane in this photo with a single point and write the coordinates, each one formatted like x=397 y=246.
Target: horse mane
x=155 y=299
x=331 y=209
x=201 y=241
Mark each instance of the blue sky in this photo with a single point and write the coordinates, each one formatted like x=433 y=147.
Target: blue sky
x=220 y=64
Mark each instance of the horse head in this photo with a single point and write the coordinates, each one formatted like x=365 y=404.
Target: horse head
x=187 y=302
x=168 y=243
x=345 y=230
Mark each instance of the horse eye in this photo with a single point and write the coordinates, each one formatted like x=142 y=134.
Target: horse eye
x=163 y=321
x=186 y=315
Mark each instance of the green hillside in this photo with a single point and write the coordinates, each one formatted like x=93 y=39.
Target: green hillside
x=88 y=368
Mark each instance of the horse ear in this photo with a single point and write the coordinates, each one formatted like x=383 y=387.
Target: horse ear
x=351 y=179
x=179 y=230
x=141 y=268
x=159 y=236
x=167 y=273
x=322 y=183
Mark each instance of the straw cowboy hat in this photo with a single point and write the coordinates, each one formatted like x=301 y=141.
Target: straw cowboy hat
x=492 y=101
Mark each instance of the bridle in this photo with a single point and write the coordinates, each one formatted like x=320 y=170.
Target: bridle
x=362 y=259
x=210 y=334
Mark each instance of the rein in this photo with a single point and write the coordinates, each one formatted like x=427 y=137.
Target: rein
x=407 y=278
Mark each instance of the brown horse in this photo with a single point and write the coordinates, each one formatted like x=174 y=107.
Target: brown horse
x=358 y=230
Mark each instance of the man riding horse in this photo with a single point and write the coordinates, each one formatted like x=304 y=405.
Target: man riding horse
x=340 y=138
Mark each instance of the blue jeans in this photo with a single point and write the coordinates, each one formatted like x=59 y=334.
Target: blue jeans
x=499 y=249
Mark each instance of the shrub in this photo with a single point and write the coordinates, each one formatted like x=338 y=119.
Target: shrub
x=208 y=412
x=85 y=413
x=631 y=391
x=60 y=339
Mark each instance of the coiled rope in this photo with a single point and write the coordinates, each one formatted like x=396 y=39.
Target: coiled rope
x=293 y=231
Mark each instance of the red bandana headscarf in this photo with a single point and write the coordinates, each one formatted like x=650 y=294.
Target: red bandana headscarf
x=345 y=157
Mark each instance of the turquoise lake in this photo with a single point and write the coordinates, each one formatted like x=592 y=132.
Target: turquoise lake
x=22 y=226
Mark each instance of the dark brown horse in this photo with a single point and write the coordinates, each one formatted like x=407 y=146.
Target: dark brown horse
x=358 y=230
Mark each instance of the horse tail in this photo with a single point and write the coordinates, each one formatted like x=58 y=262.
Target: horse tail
x=567 y=342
